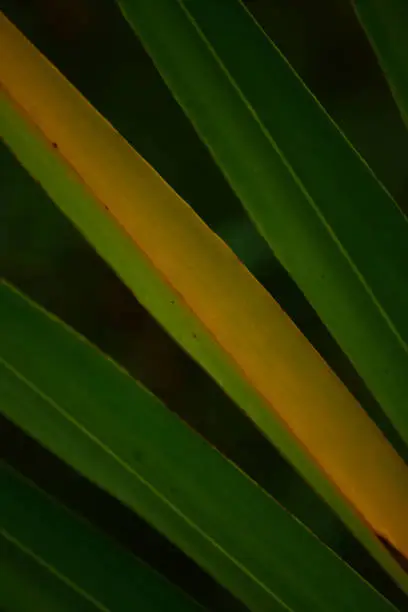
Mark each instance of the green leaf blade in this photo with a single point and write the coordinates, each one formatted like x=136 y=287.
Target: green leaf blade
x=27 y=585
x=330 y=222
x=170 y=259
x=84 y=560
x=93 y=415
x=385 y=24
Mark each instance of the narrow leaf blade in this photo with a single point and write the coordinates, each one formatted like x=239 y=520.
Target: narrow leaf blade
x=81 y=558
x=88 y=411
x=325 y=215
x=192 y=283
x=386 y=25
x=26 y=585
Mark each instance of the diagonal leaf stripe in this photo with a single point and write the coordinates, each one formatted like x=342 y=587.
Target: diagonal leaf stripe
x=325 y=215
x=386 y=24
x=27 y=584
x=198 y=290
x=43 y=533
x=92 y=414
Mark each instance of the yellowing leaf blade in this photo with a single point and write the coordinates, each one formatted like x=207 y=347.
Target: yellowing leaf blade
x=192 y=283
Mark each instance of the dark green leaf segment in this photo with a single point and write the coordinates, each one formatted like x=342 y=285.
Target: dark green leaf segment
x=386 y=25
x=93 y=415
x=52 y=560
x=323 y=212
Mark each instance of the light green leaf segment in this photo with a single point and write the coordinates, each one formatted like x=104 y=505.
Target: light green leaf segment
x=93 y=415
x=192 y=283
x=323 y=212
x=386 y=25
x=51 y=560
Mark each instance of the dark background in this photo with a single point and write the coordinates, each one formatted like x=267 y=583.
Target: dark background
x=44 y=256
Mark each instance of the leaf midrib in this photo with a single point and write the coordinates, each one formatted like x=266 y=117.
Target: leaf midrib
x=50 y=568
x=125 y=465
